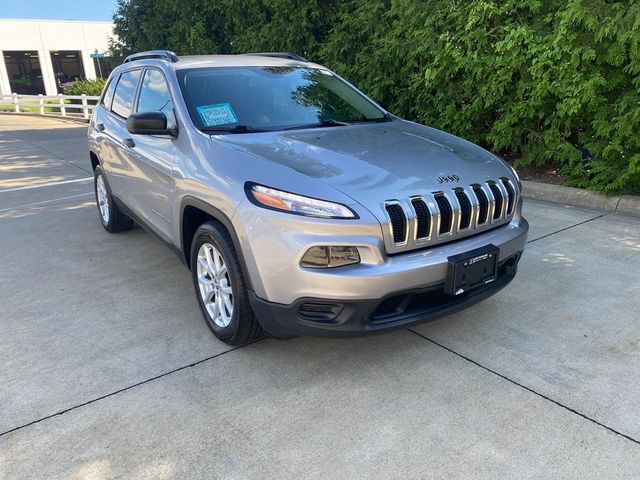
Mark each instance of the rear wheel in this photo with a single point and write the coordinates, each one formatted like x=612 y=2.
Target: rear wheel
x=220 y=286
x=112 y=219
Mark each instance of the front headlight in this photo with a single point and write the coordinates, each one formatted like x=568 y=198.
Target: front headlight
x=293 y=203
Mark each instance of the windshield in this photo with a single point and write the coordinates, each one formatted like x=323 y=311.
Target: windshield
x=246 y=99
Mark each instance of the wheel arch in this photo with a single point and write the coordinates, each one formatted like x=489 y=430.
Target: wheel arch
x=95 y=161
x=193 y=213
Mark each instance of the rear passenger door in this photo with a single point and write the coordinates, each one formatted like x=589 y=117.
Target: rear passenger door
x=104 y=144
x=115 y=160
x=151 y=188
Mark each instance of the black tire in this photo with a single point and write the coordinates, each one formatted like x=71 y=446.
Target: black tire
x=116 y=220
x=243 y=327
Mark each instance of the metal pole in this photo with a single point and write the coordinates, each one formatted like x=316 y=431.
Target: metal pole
x=99 y=67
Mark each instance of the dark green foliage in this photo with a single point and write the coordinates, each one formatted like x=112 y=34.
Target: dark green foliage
x=186 y=27
x=86 y=87
x=530 y=79
x=300 y=26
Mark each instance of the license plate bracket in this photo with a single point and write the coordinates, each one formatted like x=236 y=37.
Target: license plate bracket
x=472 y=269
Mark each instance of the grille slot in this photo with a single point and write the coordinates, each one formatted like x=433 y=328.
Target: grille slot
x=483 y=202
x=446 y=213
x=497 y=195
x=511 y=193
x=398 y=222
x=465 y=209
x=423 y=216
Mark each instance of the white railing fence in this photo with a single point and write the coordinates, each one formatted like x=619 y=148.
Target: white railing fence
x=75 y=106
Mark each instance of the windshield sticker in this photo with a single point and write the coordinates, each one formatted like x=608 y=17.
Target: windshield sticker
x=217 y=114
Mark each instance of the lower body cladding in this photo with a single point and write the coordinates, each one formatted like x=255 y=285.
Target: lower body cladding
x=323 y=317
x=399 y=291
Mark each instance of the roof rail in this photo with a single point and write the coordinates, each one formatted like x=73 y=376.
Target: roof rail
x=161 y=54
x=288 y=55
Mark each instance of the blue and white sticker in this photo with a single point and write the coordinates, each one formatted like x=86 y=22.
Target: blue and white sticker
x=217 y=114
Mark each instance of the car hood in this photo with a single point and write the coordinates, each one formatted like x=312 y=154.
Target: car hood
x=372 y=163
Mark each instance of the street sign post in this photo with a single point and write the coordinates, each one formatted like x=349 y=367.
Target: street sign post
x=97 y=56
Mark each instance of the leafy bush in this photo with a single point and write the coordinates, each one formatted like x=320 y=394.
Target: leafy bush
x=86 y=87
x=533 y=80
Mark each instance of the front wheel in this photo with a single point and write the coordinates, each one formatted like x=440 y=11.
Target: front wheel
x=220 y=286
x=112 y=219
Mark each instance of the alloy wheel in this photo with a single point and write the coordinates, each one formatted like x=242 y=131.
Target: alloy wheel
x=103 y=199
x=214 y=285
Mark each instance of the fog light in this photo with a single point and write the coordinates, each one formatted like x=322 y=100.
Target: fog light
x=330 y=257
x=319 y=312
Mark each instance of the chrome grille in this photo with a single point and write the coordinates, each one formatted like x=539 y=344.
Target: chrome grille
x=483 y=204
x=465 y=209
x=398 y=222
x=442 y=216
x=446 y=213
x=497 y=200
x=423 y=218
x=511 y=195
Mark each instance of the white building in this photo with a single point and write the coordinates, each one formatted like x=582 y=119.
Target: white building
x=39 y=56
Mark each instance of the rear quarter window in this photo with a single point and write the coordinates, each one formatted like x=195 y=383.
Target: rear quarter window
x=107 y=97
x=124 y=93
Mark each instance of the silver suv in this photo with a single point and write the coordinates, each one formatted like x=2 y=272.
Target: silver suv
x=299 y=204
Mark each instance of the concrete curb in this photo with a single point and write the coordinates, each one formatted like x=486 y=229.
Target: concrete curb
x=576 y=197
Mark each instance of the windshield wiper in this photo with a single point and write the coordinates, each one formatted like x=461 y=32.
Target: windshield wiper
x=327 y=122
x=374 y=120
x=235 y=129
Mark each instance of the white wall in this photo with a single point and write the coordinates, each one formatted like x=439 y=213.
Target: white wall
x=45 y=36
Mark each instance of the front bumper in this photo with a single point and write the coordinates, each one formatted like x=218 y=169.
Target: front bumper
x=273 y=244
x=359 y=294
x=336 y=318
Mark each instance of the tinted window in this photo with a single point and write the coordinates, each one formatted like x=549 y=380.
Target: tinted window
x=155 y=96
x=271 y=98
x=125 y=91
x=108 y=93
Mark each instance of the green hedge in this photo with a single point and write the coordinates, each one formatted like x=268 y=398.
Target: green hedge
x=86 y=87
x=532 y=80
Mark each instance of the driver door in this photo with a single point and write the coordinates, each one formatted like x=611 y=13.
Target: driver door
x=152 y=186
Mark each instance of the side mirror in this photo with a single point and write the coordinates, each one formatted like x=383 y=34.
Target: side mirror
x=149 y=123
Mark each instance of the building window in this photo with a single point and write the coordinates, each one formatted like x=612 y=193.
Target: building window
x=25 y=74
x=67 y=68
x=103 y=66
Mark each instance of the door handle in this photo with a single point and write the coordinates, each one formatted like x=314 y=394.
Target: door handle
x=100 y=127
x=129 y=143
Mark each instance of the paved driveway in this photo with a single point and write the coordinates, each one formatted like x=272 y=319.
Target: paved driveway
x=108 y=371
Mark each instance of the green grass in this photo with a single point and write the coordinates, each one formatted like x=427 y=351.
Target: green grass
x=32 y=108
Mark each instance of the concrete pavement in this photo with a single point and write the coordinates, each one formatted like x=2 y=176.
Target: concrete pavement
x=108 y=371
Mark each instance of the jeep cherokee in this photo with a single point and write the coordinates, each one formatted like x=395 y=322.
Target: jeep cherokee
x=300 y=205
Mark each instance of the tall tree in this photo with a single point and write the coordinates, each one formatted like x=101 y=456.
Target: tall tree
x=532 y=79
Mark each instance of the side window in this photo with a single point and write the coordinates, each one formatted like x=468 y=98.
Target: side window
x=155 y=96
x=108 y=92
x=124 y=93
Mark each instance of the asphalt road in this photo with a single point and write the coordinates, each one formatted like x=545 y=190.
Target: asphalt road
x=108 y=371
